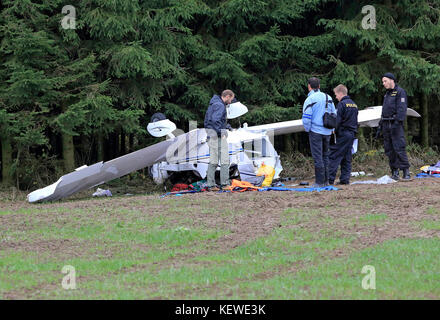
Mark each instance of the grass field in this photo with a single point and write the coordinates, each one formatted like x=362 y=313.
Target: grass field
x=253 y=245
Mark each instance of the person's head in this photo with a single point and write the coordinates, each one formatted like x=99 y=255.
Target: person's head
x=389 y=80
x=340 y=91
x=313 y=84
x=227 y=96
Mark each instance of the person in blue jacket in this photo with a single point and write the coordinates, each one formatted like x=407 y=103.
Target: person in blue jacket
x=346 y=129
x=217 y=127
x=393 y=115
x=319 y=136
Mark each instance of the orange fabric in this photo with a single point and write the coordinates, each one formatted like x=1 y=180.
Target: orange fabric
x=241 y=184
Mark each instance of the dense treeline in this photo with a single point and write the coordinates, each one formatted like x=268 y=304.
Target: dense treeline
x=75 y=96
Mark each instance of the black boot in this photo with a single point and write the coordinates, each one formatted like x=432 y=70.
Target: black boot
x=406 y=174
x=326 y=180
x=319 y=178
x=395 y=175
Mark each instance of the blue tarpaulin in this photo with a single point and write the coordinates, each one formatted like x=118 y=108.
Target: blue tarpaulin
x=179 y=193
x=425 y=175
x=328 y=188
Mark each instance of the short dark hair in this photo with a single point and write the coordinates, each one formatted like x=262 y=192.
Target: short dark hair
x=314 y=83
x=228 y=92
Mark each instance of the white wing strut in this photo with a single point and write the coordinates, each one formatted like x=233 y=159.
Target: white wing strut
x=368 y=117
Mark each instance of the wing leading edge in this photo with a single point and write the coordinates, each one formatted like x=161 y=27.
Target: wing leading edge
x=368 y=117
x=89 y=176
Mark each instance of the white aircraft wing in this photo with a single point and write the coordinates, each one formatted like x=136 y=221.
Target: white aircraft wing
x=368 y=117
x=87 y=177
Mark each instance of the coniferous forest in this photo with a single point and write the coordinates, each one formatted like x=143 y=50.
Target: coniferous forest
x=85 y=93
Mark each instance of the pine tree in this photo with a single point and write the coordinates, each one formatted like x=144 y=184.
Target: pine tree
x=93 y=88
x=25 y=88
x=404 y=42
x=47 y=84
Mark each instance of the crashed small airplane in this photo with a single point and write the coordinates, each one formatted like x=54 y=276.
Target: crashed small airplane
x=249 y=147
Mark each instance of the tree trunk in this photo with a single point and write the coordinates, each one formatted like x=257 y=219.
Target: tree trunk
x=68 y=152
x=131 y=142
x=84 y=151
x=288 y=143
x=425 y=122
x=6 y=161
x=297 y=142
x=100 y=147
x=434 y=132
x=362 y=142
x=113 y=146
x=123 y=148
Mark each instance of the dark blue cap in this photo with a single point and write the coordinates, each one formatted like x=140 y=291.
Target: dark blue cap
x=390 y=76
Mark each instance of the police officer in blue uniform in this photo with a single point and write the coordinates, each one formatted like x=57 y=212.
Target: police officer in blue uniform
x=393 y=115
x=346 y=129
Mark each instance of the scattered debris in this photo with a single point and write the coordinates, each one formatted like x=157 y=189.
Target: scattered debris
x=432 y=169
x=255 y=180
x=102 y=193
x=288 y=179
x=240 y=186
x=277 y=184
x=179 y=187
x=199 y=185
x=384 y=180
x=268 y=172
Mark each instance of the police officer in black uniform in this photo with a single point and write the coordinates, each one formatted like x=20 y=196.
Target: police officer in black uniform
x=391 y=125
x=346 y=129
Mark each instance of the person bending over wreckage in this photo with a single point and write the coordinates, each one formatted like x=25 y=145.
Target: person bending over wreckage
x=216 y=128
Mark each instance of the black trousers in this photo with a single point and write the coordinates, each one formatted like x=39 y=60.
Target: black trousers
x=319 y=146
x=394 y=144
x=340 y=154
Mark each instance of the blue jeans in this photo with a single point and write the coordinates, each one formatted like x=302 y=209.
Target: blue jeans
x=319 y=145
